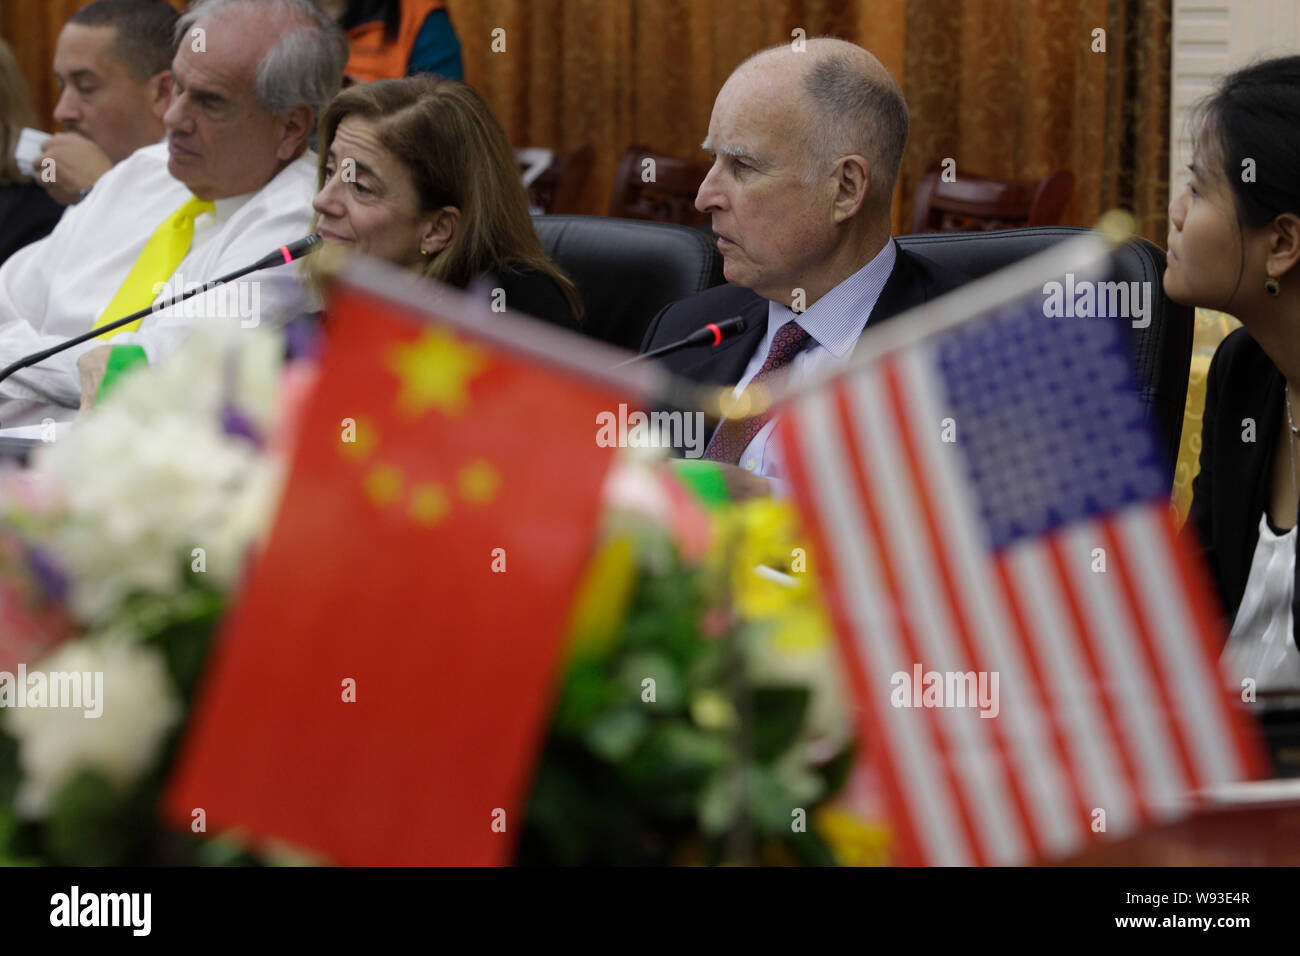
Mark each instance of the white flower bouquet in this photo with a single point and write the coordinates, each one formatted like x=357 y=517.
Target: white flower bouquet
x=119 y=548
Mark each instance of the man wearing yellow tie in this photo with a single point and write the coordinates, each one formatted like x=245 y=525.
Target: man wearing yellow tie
x=233 y=181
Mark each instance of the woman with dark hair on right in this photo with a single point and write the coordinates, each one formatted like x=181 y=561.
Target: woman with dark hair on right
x=1234 y=245
x=26 y=210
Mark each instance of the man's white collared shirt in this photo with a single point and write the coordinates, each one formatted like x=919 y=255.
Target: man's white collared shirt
x=59 y=286
x=834 y=323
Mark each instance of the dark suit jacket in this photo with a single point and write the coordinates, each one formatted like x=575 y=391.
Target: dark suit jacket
x=27 y=213
x=527 y=290
x=915 y=279
x=1231 y=490
x=534 y=293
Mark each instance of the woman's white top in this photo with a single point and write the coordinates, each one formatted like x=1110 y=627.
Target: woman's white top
x=1260 y=645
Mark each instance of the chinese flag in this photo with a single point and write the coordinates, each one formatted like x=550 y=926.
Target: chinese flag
x=379 y=693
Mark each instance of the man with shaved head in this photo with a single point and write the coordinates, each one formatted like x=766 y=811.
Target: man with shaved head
x=806 y=145
x=233 y=181
x=113 y=64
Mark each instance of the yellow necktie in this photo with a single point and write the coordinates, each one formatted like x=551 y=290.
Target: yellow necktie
x=158 y=260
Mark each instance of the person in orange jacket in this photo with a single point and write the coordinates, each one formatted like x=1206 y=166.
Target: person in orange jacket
x=389 y=39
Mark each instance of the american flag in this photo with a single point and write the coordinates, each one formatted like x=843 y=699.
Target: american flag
x=988 y=500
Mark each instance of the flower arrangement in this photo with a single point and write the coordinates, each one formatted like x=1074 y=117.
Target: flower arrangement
x=701 y=717
x=698 y=718
x=125 y=577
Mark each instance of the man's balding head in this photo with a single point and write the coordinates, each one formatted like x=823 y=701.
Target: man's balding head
x=849 y=103
x=807 y=147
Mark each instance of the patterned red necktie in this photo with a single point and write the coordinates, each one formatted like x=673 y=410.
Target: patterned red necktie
x=735 y=434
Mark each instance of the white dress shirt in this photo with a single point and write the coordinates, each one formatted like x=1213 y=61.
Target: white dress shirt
x=834 y=322
x=1261 y=645
x=57 y=287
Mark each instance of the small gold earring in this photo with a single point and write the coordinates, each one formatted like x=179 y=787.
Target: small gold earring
x=425 y=252
x=1271 y=286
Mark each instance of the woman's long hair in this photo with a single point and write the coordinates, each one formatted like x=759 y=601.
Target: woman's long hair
x=457 y=155
x=15 y=112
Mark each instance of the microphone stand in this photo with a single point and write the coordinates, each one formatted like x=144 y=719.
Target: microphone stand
x=284 y=255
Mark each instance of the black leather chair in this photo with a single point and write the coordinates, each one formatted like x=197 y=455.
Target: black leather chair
x=1162 y=351
x=627 y=270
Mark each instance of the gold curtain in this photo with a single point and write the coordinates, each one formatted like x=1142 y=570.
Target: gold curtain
x=31 y=28
x=1014 y=89
x=618 y=72
x=1007 y=88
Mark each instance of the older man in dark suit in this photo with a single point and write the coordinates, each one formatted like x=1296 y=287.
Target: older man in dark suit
x=806 y=145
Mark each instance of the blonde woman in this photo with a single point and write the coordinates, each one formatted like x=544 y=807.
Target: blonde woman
x=26 y=211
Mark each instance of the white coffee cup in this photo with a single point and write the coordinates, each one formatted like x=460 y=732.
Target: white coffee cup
x=28 y=150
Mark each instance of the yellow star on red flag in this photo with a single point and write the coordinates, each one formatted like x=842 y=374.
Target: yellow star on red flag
x=435 y=371
x=428 y=503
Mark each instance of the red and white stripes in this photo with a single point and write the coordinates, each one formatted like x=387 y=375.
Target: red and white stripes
x=1100 y=634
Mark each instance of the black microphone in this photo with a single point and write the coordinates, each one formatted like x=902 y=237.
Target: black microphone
x=282 y=256
x=711 y=334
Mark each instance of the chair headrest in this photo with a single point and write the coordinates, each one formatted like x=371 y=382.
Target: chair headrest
x=627 y=270
x=1162 y=349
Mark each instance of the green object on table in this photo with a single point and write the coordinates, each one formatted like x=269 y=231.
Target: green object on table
x=120 y=358
x=704 y=479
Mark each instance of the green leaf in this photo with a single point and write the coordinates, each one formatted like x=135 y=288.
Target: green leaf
x=19 y=839
x=224 y=849
x=836 y=772
x=94 y=823
x=585 y=692
x=184 y=635
x=673 y=764
x=577 y=814
x=712 y=710
x=717 y=804
x=280 y=853
x=804 y=787
x=8 y=829
x=778 y=719
x=10 y=774
x=669 y=691
x=771 y=804
x=616 y=734
x=810 y=848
